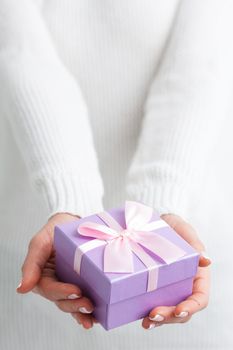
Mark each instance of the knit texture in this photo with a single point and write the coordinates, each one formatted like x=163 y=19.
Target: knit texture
x=106 y=99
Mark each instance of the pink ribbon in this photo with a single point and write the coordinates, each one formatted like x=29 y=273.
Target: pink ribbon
x=121 y=242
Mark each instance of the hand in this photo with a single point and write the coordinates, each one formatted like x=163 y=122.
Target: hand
x=38 y=275
x=201 y=286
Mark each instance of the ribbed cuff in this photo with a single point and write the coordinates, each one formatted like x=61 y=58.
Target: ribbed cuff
x=164 y=198
x=67 y=192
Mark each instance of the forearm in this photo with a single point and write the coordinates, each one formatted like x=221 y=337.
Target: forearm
x=48 y=115
x=185 y=108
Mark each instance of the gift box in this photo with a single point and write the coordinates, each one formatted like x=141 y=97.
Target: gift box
x=127 y=260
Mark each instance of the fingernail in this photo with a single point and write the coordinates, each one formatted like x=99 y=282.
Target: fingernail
x=19 y=285
x=157 y=318
x=152 y=325
x=182 y=314
x=73 y=296
x=204 y=254
x=84 y=310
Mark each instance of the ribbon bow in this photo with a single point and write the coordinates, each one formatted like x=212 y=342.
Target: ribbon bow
x=121 y=242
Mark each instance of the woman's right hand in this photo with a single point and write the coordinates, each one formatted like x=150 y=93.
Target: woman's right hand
x=38 y=275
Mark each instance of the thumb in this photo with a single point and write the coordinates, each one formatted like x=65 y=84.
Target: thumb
x=39 y=251
x=187 y=232
x=190 y=235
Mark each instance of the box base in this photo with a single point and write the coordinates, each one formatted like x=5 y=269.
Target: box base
x=117 y=314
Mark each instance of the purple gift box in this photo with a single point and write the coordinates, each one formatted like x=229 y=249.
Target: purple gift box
x=120 y=297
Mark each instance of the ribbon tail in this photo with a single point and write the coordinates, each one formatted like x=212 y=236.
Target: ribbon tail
x=150 y=263
x=162 y=247
x=118 y=256
x=82 y=249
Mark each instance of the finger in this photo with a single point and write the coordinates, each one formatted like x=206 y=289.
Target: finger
x=158 y=316
x=183 y=319
x=82 y=305
x=50 y=288
x=163 y=315
x=85 y=320
x=39 y=251
x=148 y=324
x=204 y=260
x=189 y=234
x=200 y=296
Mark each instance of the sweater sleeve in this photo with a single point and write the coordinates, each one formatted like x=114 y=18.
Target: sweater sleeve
x=185 y=108
x=47 y=112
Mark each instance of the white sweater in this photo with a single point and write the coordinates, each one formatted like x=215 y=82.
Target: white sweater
x=155 y=79
x=115 y=100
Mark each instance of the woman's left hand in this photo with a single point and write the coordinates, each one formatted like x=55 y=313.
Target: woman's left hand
x=201 y=286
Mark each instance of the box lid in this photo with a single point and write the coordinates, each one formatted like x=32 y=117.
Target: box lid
x=114 y=287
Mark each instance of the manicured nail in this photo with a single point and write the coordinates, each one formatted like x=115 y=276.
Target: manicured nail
x=83 y=310
x=152 y=325
x=204 y=254
x=157 y=318
x=73 y=296
x=182 y=314
x=20 y=284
